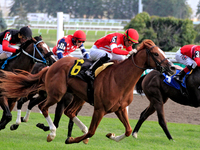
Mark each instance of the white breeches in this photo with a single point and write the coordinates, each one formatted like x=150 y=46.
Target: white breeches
x=96 y=53
x=183 y=59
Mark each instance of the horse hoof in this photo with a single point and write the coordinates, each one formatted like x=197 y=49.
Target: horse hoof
x=86 y=141
x=134 y=134
x=68 y=140
x=109 y=135
x=49 y=138
x=14 y=127
x=22 y=119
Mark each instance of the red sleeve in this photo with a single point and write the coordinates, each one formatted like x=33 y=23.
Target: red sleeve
x=197 y=60
x=5 y=43
x=119 y=51
x=129 y=48
x=7 y=48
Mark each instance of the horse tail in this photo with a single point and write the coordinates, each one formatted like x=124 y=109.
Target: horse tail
x=20 y=83
x=139 y=85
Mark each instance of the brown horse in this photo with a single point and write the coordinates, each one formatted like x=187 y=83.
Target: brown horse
x=34 y=50
x=113 y=87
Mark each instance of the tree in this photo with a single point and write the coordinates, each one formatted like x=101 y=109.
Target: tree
x=3 y=24
x=22 y=19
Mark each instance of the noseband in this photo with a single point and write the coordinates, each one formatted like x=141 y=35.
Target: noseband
x=158 y=64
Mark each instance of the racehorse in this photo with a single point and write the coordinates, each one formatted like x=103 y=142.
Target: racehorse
x=34 y=50
x=113 y=87
x=158 y=93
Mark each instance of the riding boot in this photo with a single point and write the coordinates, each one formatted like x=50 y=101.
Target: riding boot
x=95 y=65
x=179 y=76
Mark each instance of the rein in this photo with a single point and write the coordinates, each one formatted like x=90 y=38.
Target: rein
x=43 y=60
x=158 y=64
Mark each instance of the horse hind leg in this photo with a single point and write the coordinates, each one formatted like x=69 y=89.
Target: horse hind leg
x=143 y=116
x=122 y=114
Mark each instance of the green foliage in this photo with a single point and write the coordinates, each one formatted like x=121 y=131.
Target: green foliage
x=22 y=19
x=166 y=32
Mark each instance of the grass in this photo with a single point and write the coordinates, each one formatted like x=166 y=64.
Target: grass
x=150 y=137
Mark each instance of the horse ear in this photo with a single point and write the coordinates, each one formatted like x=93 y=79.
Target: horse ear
x=40 y=36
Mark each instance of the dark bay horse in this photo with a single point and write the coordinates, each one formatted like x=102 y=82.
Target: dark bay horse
x=34 y=50
x=113 y=87
x=158 y=93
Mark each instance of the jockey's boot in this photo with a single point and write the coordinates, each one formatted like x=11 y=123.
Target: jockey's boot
x=95 y=65
x=179 y=76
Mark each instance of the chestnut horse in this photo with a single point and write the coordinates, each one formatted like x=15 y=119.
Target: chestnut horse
x=34 y=50
x=113 y=87
x=158 y=93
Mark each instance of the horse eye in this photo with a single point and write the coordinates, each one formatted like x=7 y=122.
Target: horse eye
x=156 y=54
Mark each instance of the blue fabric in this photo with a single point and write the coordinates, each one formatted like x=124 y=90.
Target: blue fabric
x=173 y=83
x=60 y=55
x=6 y=61
x=61 y=45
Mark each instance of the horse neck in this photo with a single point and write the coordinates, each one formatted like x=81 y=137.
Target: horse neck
x=22 y=62
x=128 y=74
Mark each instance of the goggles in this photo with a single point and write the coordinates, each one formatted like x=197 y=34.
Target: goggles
x=130 y=42
x=81 y=41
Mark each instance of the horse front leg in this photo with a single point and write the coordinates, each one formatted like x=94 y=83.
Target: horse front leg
x=122 y=114
x=96 y=119
x=19 y=119
x=7 y=116
x=162 y=121
x=143 y=116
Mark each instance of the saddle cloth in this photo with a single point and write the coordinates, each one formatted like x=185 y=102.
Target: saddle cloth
x=173 y=83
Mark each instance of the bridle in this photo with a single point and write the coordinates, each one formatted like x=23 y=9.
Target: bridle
x=35 y=48
x=158 y=64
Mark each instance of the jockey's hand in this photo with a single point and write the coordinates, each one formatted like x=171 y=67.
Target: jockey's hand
x=133 y=51
x=18 y=50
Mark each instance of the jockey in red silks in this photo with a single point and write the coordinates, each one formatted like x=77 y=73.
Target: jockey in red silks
x=110 y=47
x=12 y=37
x=188 y=55
x=70 y=43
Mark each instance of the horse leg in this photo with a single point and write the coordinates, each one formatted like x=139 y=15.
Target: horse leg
x=96 y=119
x=122 y=114
x=7 y=116
x=162 y=121
x=143 y=116
x=19 y=107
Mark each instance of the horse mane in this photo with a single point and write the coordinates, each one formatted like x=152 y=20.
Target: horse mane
x=28 y=42
x=145 y=44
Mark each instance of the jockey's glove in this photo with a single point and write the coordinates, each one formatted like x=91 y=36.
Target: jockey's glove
x=133 y=51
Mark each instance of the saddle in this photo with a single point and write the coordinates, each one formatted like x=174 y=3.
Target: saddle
x=78 y=71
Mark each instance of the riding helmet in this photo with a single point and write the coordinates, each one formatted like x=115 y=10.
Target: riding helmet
x=79 y=35
x=26 y=31
x=132 y=35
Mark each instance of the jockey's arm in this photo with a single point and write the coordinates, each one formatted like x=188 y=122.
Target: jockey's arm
x=118 y=51
x=5 y=43
x=61 y=48
x=83 y=51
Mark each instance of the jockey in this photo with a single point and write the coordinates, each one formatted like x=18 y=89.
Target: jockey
x=110 y=47
x=70 y=43
x=188 y=55
x=12 y=37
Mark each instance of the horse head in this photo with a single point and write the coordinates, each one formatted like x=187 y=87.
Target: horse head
x=37 y=49
x=155 y=58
